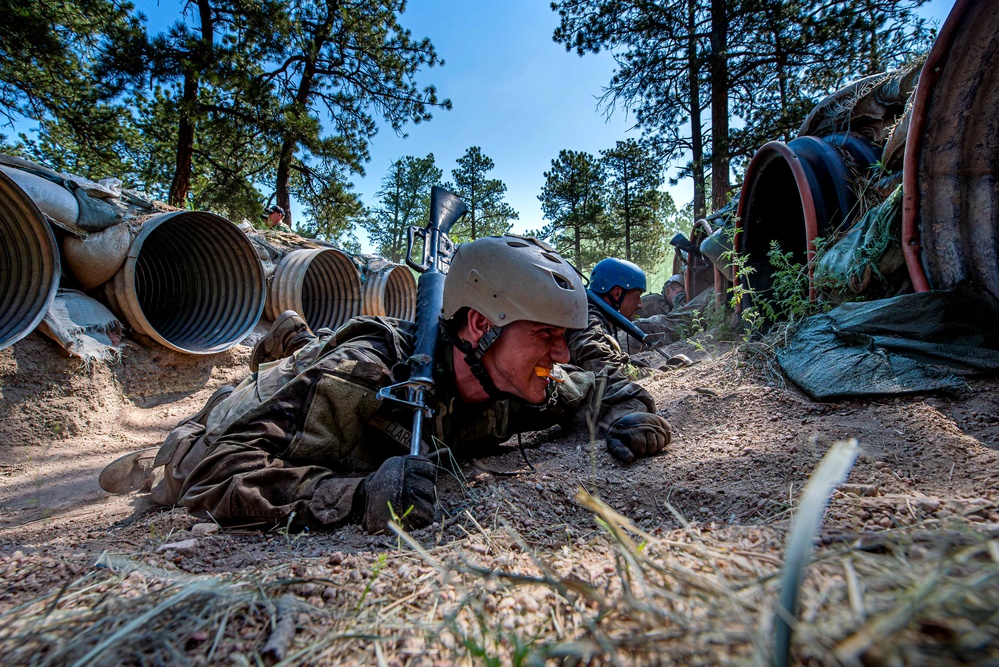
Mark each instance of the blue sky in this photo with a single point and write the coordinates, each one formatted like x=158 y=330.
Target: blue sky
x=516 y=94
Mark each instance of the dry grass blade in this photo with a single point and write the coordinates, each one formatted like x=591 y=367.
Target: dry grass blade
x=954 y=593
x=832 y=470
x=103 y=618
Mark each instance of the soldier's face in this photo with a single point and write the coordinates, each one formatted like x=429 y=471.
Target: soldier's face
x=671 y=292
x=523 y=345
x=632 y=303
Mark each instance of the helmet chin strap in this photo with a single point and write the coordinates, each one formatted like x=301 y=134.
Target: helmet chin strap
x=473 y=357
x=615 y=302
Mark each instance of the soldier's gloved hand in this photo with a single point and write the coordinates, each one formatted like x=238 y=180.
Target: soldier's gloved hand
x=403 y=481
x=638 y=435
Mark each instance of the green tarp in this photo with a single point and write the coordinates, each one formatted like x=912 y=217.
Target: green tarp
x=902 y=345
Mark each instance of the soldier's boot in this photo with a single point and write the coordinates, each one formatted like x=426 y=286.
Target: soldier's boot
x=135 y=471
x=131 y=472
x=288 y=334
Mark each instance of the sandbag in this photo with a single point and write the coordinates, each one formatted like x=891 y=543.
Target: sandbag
x=83 y=327
x=907 y=344
x=95 y=259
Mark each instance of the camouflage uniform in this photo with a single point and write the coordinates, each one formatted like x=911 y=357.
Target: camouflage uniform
x=281 y=227
x=596 y=349
x=287 y=441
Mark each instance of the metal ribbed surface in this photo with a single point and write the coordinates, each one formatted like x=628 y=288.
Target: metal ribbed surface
x=192 y=281
x=950 y=219
x=321 y=284
x=390 y=292
x=29 y=264
x=793 y=193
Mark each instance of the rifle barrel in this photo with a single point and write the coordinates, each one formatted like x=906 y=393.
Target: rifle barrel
x=620 y=320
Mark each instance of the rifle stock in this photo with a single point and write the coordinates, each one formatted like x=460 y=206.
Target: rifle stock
x=445 y=210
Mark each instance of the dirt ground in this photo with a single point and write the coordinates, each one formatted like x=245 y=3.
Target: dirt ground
x=570 y=559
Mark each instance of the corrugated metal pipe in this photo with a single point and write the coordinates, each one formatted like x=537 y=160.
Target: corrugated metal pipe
x=950 y=215
x=29 y=263
x=191 y=281
x=389 y=290
x=321 y=284
x=795 y=192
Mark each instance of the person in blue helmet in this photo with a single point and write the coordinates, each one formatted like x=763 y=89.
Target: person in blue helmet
x=595 y=347
x=620 y=283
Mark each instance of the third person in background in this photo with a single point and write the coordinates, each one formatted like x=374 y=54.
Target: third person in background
x=675 y=292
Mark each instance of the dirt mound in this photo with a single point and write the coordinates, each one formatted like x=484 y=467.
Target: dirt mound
x=516 y=566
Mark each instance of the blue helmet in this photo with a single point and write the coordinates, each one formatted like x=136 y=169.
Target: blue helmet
x=613 y=272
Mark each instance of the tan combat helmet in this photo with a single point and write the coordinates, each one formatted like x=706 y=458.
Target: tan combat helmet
x=510 y=278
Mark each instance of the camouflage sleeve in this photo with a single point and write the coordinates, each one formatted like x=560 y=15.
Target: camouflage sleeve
x=594 y=350
x=598 y=400
x=289 y=459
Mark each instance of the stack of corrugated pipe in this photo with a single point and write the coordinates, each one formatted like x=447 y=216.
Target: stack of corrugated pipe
x=794 y=193
x=29 y=264
x=326 y=288
x=948 y=146
x=191 y=281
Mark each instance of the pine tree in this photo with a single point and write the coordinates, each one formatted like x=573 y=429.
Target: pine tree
x=633 y=176
x=756 y=65
x=68 y=66
x=343 y=61
x=572 y=200
x=489 y=214
x=404 y=201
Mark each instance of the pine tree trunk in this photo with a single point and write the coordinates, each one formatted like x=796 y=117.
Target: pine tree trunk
x=719 y=105
x=289 y=142
x=180 y=187
x=696 y=138
x=627 y=219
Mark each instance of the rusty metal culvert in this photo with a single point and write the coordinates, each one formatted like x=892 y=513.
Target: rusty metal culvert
x=29 y=264
x=192 y=281
x=794 y=193
x=322 y=285
x=950 y=214
x=389 y=291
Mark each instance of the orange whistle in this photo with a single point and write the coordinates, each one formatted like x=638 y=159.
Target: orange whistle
x=549 y=373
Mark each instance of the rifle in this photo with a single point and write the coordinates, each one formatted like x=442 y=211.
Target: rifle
x=620 y=320
x=681 y=242
x=445 y=210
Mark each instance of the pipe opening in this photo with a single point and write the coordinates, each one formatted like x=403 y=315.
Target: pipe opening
x=776 y=215
x=795 y=193
x=29 y=264
x=390 y=291
x=322 y=285
x=193 y=282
